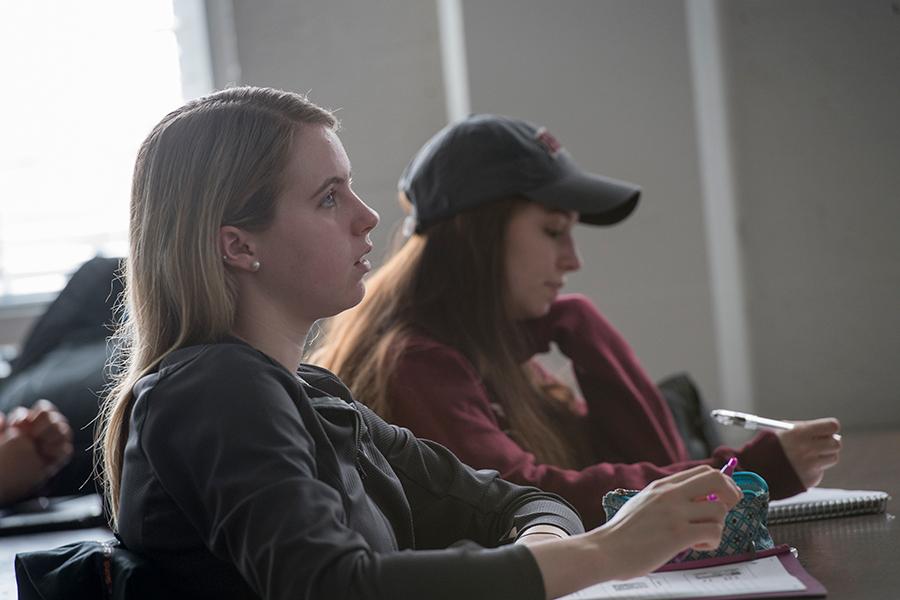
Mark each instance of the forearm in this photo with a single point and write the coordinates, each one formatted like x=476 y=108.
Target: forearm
x=631 y=422
x=570 y=564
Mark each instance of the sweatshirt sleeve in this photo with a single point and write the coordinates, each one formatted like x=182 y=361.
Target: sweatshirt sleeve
x=629 y=418
x=451 y=501
x=233 y=452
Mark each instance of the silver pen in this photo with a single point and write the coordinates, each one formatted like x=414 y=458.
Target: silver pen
x=748 y=421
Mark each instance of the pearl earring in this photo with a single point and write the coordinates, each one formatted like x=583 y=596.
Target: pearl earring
x=254 y=266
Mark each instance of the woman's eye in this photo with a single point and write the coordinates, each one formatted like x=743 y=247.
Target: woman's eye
x=329 y=200
x=554 y=233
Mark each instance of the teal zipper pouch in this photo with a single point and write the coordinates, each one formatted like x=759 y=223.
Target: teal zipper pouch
x=746 y=525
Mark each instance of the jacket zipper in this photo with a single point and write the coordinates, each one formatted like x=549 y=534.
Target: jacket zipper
x=357 y=434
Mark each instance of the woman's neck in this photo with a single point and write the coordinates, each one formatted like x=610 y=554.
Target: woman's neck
x=284 y=345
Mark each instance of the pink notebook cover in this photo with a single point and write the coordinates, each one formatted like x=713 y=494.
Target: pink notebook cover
x=788 y=560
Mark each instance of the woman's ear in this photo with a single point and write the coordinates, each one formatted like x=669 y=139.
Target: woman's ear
x=237 y=248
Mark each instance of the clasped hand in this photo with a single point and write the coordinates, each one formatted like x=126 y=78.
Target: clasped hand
x=34 y=444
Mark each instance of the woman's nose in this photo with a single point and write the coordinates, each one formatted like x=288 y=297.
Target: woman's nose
x=569 y=260
x=366 y=219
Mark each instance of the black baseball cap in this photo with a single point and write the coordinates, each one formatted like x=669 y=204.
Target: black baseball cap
x=488 y=157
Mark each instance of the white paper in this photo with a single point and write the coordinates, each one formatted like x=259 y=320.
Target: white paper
x=12 y=545
x=751 y=577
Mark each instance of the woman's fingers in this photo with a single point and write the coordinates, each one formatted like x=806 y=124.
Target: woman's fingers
x=706 y=481
x=826 y=461
x=50 y=426
x=47 y=428
x=17 y=416
x=706 y=535
x=682 y=475
x=55 y=444
x=713 y=513
x=823 y=427
x=817 y=428
x=696 y=477
x=812 y=448
x=40 y=422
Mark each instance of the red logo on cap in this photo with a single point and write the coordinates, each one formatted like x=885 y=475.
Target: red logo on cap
x=548 y=141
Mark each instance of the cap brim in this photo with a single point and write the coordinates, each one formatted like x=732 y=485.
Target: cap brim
x=598 y=200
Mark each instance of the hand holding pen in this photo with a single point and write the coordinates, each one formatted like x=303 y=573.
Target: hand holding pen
x=812 y=447
x=667 y=516
x=727 y=470
x=748 y=421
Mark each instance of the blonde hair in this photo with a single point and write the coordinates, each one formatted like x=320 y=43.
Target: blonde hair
x=215 y=161
x=449 y=283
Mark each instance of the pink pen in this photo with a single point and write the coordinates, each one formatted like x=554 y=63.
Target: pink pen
x=728 y=469
x=730 y=466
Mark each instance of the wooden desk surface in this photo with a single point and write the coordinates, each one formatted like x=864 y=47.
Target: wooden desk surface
x=855 y=558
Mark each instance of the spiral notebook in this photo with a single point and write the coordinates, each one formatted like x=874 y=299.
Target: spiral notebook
x=825 y=503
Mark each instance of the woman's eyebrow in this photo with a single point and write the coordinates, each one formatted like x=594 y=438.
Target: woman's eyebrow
x=568 y=215
x=335 y=180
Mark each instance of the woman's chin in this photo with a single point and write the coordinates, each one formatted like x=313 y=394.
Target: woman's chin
x=534 y=312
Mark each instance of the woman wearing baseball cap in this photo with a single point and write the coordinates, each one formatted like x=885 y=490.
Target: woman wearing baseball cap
x=445 y=341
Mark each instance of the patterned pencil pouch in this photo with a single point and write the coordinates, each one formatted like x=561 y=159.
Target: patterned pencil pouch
x=746 y=527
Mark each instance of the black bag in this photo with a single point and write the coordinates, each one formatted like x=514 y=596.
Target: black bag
x=89 y=570
x=692 y=418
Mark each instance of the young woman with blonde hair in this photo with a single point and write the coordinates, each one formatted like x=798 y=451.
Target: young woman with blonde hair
x=241 y=472
x=445 y=342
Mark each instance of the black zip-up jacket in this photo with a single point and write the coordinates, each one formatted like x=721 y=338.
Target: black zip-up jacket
x=243 y=480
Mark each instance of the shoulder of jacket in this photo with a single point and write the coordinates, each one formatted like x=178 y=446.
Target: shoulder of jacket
x=324 y=380
x=215 y=378
x=223 y=355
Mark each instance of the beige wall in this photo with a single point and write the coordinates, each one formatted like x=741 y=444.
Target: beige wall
x=378 y=63
x=612 y=80
x=815 y=99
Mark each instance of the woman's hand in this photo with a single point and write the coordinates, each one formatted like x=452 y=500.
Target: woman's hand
x=811 y=448
x=667 y=517
x=22 y=469
x=49 y=431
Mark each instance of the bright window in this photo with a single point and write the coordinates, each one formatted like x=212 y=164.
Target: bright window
x=83 y=84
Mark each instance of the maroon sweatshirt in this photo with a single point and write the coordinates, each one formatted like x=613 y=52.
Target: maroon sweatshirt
x=436 y=392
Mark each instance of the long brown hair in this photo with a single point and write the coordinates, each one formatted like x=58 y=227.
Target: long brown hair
x=215 y=161
x=450 y=284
